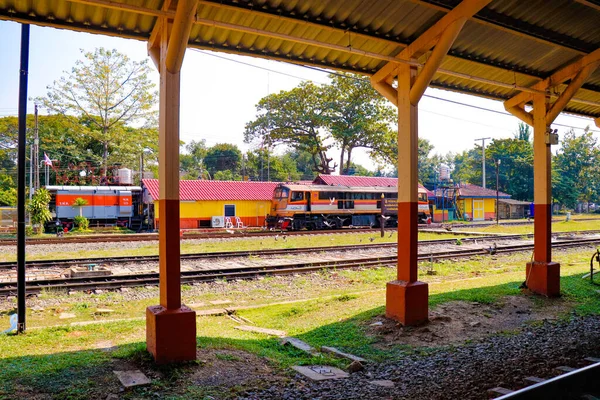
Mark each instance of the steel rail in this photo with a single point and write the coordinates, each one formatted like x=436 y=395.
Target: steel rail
x=118 y=281
x=579 y=384
x=246 y=253
x=61 y=263
x=220 y=235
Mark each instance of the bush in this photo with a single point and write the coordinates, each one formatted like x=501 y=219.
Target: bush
x=82 y=223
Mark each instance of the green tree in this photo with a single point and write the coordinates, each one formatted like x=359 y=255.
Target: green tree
x=262 y=164
x=523 y=132
x=516 y=167
x=79 y=203
x=192 y=160
x=223 y=157
x=38 y=208
x=577 y=165
x=356 y=116
x=295 y=118
x=107 y=91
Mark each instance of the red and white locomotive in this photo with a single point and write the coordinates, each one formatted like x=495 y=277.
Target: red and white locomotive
x=296 y=206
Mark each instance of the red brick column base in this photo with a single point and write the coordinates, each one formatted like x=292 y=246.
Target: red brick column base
x=407 y=302
x=171 y=334
x=543 y=278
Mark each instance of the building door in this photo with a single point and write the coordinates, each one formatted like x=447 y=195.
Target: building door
x=478 y=210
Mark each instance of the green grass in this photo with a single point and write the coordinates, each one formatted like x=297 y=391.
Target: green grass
x=237 y=243
x=336 y=310
x=558 y=226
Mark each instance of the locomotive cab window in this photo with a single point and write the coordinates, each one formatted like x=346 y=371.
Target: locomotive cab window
x=423 y=197
x=297 y=196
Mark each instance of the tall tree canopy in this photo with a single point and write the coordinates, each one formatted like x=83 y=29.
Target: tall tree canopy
x=107 y=92
x=65 y=140
x=294 y=118
x=223 y=157
x=356 y=116
x=345 y=114
x=577 y=176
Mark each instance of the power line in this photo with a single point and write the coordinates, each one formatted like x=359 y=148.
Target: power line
x=425 y=95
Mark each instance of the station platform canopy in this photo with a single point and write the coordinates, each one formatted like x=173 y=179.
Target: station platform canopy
x=503 y=50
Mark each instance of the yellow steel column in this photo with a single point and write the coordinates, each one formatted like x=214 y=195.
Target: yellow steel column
x=406 y=297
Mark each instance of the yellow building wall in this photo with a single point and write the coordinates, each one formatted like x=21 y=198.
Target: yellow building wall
x=252 y=213
x=489 y=207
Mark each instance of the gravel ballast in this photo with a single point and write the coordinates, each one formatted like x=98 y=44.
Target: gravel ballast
x=462 y=372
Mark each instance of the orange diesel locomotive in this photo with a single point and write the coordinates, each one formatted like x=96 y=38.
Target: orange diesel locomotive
x=310 y=207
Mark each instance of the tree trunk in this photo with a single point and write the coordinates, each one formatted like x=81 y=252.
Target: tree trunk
x=105 y=153
x=342 y=172
x=348 y=161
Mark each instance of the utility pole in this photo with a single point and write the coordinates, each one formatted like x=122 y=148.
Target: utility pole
x=36 y=150
x=483 y=156
x=141 y=167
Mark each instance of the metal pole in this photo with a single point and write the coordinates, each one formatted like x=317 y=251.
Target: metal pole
x=497 y=193
x=23 y=74
x=483 y=156
x=30 y=172
x=36 y=151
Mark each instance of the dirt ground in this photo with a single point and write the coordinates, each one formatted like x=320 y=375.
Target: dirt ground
x=458 y=321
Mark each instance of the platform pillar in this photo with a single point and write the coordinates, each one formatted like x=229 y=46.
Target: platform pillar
x=170 y=326
x=542 y=275
x=406 y=297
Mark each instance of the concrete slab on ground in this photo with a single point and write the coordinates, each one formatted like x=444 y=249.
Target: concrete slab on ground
x=341 y=354
x=321 y=372
x=256 y=329
x=132 y=378
x=299 y=344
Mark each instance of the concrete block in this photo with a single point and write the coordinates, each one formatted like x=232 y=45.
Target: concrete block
x=256 y=329
x=320 y=372
x=499 y=391
x=341 y=354
x=564 y=368
x=66 y=315
x=215 y=311
x=88 y=272
x=299 y=344
x=534 y=379
x=132 y=378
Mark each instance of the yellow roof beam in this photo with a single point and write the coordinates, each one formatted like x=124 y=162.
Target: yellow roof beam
x=429 y=38
x=180 y=34
x=563 y=99
x=555 y=79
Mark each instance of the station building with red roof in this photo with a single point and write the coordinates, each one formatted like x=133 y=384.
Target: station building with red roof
x=201 y=200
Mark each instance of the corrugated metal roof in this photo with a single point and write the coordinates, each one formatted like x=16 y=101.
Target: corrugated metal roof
x=362 y=181
x=217 y=190
x=513 y=42
x=470 y=190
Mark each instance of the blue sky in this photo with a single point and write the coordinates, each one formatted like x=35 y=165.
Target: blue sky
x=219 y=91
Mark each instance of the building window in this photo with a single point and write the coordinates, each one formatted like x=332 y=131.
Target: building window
x=230 y=210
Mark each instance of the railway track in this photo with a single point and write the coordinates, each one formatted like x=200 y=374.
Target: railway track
x=581 y=383
x=144 y=279
x=232 y=254
x=139 y=237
